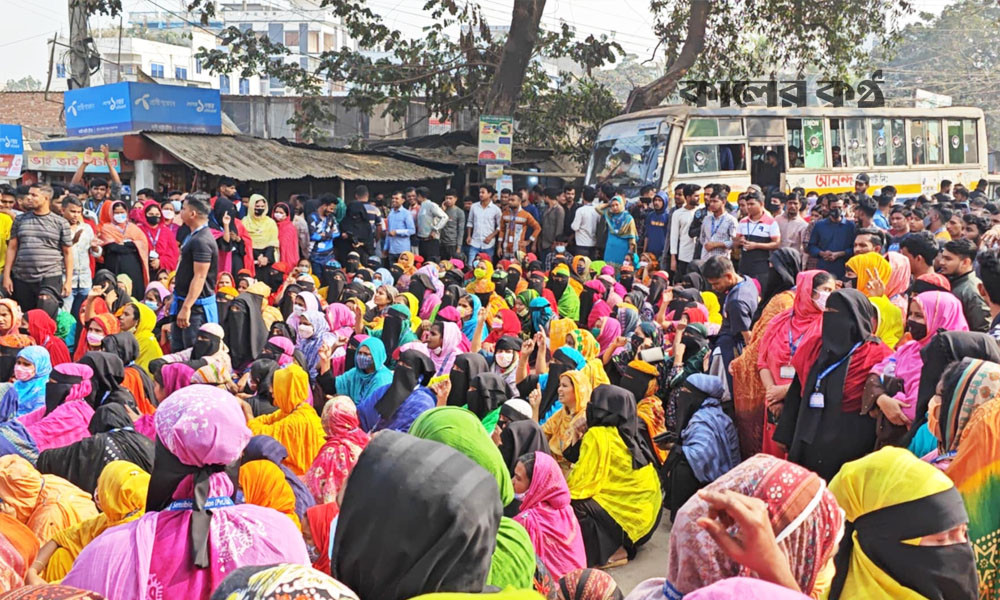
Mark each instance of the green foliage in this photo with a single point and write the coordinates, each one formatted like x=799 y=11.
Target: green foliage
x=24 y=84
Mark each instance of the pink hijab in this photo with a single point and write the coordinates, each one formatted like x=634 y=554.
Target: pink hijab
x=344 y=442
x=200 y=426
x=549 y=519
x=287 y=349
x=450 y=314
x=599 y=310
x=444 y=357
x=67 y=423
x=942 y=310
x=610 y=331
x=341 y=319
x=899 y=281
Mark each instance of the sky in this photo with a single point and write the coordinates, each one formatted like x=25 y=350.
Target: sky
x=27 y=24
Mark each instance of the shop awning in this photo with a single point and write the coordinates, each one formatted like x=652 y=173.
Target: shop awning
x=254 y=159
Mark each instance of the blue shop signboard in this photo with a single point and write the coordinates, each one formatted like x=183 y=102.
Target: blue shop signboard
x=128 y=106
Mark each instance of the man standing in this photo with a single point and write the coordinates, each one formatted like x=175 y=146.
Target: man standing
x=757 y=235
x=939 y=216
x=40 y=251
x=227 y=189
x=518 y=230
x=84 y=246
x=323 y=231
x=99 y=189
x=483 y=225
x=197 y=270
x=681 y=244
x=832 y=239
x=861 y=184
x=584 y=225
x=399 y=227
x=431 y=219
x=956 y=264
x=568 y=201
x=899 y=225
x=944 y=194
x=451 y=235
x=655 y=240
x=792 y=226
x=552 y=222
x=989 y=287
x=739 y=303
x=920 y=248
x=717 y=228
x=887 y=195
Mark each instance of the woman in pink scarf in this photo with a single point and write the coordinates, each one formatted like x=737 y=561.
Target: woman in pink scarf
x=929 y=313
x=160 y=235
x=443 y=345
x=279 y=349
x=451 y=315
x=65 y=418
x=546 y=514
x=899 y=281
x=341 y=319
x=608 y=330
x=801 y=323
x=196 y=543
x=344 y=442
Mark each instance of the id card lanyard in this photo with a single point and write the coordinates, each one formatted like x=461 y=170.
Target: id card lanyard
x=787 y=371
x=816 y=399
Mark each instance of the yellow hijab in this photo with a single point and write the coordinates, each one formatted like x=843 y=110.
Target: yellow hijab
x=414 y=305
x=263 y=231
x=890 y=318
x=149 y=348
x=885 y=478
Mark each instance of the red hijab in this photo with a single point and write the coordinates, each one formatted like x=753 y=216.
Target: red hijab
x=288 y=236
x=804 y=320
x=511 y=326
x=42 y=329
x=160 y=237
x=108 y=323
x=319 y=518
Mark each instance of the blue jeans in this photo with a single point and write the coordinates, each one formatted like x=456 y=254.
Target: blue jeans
x=181 y=339
x=473 y=251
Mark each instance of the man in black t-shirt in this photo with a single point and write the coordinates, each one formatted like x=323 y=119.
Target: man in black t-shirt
x=194 y=291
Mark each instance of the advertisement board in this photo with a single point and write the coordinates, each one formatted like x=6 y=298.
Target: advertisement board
x=496 y=140
x=129 y=106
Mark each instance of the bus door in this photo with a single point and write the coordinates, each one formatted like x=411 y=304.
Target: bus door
x=768 y=158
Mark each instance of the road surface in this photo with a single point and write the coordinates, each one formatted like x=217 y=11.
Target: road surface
x=651 y=560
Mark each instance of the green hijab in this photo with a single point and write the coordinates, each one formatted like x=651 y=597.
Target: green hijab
x=514 y=558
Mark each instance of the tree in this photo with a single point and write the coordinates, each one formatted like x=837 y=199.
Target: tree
x=735 y=40
x=24 y=84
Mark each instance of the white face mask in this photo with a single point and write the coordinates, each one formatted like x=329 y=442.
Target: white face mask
x=306 y=331
x=279 y=217
x=504 y=359
x=821 y=298
x=121 y=217
x=298 y=310
x=168 y=215
x=560 y=248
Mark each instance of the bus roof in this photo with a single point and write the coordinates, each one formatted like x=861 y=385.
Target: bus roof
x=682 y=111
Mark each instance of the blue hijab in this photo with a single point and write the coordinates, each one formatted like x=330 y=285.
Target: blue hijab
x=310 y=347
x=358 y=385
x=31 y=393
x=387 y=278
x=541 y=314
x=469 y=325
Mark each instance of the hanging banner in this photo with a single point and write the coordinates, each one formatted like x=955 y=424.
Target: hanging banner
x=11 y=151
x=65 y=161
x=496 y=140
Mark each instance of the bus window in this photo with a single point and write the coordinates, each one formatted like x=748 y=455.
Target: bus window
x=807 y=134
x=711 y=158
x=970 y=133
x=849 y=142
x=933 y=142
x=714 y=128
x=918 y=131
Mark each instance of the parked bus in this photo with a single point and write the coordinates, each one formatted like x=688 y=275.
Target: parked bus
x=817 y=148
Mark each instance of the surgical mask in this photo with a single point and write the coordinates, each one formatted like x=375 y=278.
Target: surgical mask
x=306 y=331
x=258 y=211
x=560 y=248
x=152 y=219
x=927 y=221
x=297 y=310
x=176 y=204
x=479 y=273
x=821 y=298
x=23 y=373
x=504 y=359
x=518 y=496
x=596 y=331
x=120 y=218
x=168 y=215
x=151 y=304
x=363 y=361
x=917 y=330
x=279 y=217
x=94 y=338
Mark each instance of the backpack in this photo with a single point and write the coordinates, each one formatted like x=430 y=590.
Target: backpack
x=694 y=229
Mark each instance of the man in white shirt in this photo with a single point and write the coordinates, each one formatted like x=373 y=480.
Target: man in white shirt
x=483 y=225
x=682 y=246
x=584 y=225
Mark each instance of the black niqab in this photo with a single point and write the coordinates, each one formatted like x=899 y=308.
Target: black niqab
x=57 y=388
x=413 y=369
x=612 y=406
x=785 y=266
x=109 y=372
x=520 y=438
x=244 y=328
x=487 y=391
x=466 y=367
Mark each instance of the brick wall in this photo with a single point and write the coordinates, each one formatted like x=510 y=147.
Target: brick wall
x=39 y=117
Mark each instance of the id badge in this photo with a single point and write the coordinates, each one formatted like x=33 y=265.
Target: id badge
x=786 y=372
x=816 y=400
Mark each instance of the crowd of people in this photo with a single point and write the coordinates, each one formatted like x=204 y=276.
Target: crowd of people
x=388 y=398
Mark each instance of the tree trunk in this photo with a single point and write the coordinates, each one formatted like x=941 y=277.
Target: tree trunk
x=653 y=93
x=506 y=88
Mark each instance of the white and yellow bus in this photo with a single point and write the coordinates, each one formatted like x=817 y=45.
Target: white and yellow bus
x=818 y=148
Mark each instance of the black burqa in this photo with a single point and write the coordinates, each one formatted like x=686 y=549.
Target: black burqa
x=944 y=348
x=392 y=329
x=467 y=366
x=109 y=372
x=244 y=328
x=785 y=266
x=126 y=347
x=561 y=363
x=520 y=438
x=57 y=388
x=487 y=391
x=262 y=374
x=420 y=284
x=440 y=510
x=612 y=406
x=823 y=439
x=112 y=438
x=413 y=369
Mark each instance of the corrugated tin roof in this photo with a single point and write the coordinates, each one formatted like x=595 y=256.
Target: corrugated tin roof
x=254 y=159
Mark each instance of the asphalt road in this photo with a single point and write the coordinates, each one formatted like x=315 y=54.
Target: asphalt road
x=650 y=561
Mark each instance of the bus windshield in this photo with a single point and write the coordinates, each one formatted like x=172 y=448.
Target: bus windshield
x=629 y=160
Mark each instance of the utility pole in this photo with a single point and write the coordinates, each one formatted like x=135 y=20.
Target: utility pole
x=79 y=37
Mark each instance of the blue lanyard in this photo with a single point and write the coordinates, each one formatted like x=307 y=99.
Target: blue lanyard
x=213 y=502
x=716 y=223
x=793 y=346
x=832 y=367
x=191 y=235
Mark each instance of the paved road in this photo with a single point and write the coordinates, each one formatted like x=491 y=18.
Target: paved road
x=651 y=561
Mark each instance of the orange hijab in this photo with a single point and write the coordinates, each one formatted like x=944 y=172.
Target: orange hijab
x=110 y=233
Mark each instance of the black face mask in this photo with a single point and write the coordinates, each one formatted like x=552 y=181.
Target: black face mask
x=917 y=330
x=205 y=346
x=259 y=211
x=153 y=219
x=835 y=213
